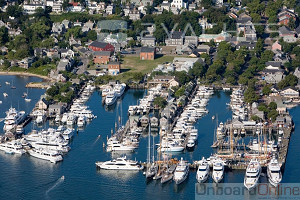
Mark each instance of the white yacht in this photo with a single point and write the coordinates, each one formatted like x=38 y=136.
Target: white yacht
x=120 y=164
x=190 y=144
x=203 y=171
x=5 y=94
x=119 y=89
x=274 y=172
x=13 y=118
x=218 y=170
x=181 y=172
x=110 y=98
x=81 y=121
x=106 y=91
x=27 y=99
x=117 y=146
x=171 y=147
x=71 y=119
x=252 y=174
x=40 y=118
x=46 y=154
x=64 y=118
x=12 y=147
x=68 y=133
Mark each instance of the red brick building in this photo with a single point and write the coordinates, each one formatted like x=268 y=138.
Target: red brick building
x=102 y=57
x=113 y=68
x=284 y=17
x=101 y=46
x=147 y=53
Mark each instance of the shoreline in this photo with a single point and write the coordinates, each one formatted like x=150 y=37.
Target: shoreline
x=24 y=74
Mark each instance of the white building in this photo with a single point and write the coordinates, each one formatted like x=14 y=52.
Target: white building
x=30 y=8
x=179 y=4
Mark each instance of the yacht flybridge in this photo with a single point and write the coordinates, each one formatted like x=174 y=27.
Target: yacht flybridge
x=252 y=174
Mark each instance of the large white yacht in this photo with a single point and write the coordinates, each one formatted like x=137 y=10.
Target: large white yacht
x=218 y=170
x=203 y=171
x=120 y=164
x=171 y=147
x=117 y=146
x=12 y=147
x=46 y=154
x=119 y=89
x=181 y=172
x=252 y=174
x=81 y=121
x=110 y=98
x=274 y=172
x=13 y=118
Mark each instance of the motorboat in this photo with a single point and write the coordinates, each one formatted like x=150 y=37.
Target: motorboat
x=110 y=98
x=117 y=146
x=218 y=170
x=121 y=163
x=40 y=118
x=202 y=171
x=190 y=144
x=171 y=147
x=13 y=147
x=19 y=129
x=274 y=172
x=81 y=121
x=68 y=133
x=181 y=172
x=5 y=94
x=57 y=119
x=252 y=174
x=46 y=154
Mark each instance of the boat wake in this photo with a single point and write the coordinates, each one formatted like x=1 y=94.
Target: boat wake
x=98 y=137
x=57 y=183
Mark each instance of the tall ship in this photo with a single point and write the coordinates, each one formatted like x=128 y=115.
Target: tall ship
x=252 y=174
x=13 y=118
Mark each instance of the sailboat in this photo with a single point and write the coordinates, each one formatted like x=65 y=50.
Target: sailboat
x=12 y=85
x=26 y=98
x=152 y=168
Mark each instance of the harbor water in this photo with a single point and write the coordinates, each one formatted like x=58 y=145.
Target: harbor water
x=25 y=177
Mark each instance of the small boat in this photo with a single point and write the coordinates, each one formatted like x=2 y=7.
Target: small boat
x=151 y=171
x=181 y=172
x=274 y=172
x=203 y=171
x=218 y=170
x=235 y=133
x=190 y=145
x=27 y=100
x=120 y=164
x=5 y=94
x=252 y=174
x=213 y=117
x=0 y=102
x=243 y=133
x=7 y=83
x=12 y=86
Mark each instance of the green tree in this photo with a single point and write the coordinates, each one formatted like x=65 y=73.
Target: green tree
x=3 y=35
x=266 y=90
x=273 y=106
x=160 y=102
x=92 y=35
x=180 y=92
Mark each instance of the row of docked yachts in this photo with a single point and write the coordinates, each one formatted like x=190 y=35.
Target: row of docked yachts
x=184 y=134
x=48 y=144
x=237 y=105
x=145 y=103
x=111 y=94
x=13 y=119
x=79 y=113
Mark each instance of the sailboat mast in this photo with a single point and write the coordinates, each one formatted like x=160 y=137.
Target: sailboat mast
x=149 y=143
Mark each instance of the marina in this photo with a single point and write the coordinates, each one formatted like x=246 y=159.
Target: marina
x=88 y=139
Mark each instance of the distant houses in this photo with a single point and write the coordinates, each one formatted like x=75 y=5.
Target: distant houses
x=101 y=46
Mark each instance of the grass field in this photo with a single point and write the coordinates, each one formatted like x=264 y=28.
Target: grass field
x=134 y=64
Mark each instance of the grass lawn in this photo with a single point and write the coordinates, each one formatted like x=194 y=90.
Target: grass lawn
x=134 y=64
x=42 y=70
